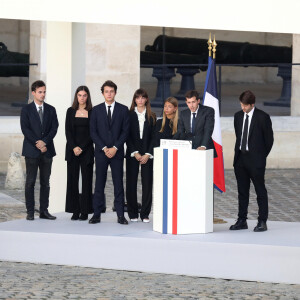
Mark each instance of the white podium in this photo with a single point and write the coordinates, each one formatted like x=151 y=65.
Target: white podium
x=183 y=191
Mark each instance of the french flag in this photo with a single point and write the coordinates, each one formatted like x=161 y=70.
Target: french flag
x=210 y=98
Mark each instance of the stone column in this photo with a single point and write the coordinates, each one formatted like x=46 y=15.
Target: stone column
x=59 y=94
x=38 y=36
x=295 y=101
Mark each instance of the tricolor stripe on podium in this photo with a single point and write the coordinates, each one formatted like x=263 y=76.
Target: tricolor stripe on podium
x=170 y=191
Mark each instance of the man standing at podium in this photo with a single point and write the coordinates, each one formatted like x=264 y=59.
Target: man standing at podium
x=196 y=123
x=254 y=140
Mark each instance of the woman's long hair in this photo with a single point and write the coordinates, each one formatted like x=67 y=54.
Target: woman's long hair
x=143 y=93
x=174 y=121
x=88 y=105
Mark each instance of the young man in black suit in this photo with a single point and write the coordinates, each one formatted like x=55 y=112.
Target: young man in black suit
x=109 y=128
x=254 y=140
x=39 y=125
x=196 y=123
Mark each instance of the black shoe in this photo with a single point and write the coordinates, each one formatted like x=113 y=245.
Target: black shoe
x=240 y=224
x=95 y=219
x=46 y=215
x=83 y=217
x=75 y=217
x=261 y=226
x=122 y=220
x=30 y=216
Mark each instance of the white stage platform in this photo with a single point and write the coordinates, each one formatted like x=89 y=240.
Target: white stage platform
x=272 y=256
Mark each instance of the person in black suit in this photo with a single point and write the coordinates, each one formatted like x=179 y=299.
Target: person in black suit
x=254 y=141
x=140 y=153
x=79 y=155
x=166 y=127
x=109 y=128
x=39 y=125
x=196 y=123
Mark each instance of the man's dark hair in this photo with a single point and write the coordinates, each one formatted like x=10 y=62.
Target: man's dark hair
x=37 y=84
x=110 y=84
x=247 y=97
x=191 y=94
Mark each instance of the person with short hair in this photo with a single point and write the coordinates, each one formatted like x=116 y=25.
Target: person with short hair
x=79 y=155
x=196 y=123
x=109 y=129
x=39 y=126
x=254 y=141
x=140 y=153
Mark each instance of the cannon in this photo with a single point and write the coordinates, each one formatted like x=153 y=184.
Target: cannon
x=8 y=57
x=179 y=51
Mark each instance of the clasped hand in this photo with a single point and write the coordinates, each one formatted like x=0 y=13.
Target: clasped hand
x=141 y=158
x=77 y=151
x=110 y=152
x=41 y=146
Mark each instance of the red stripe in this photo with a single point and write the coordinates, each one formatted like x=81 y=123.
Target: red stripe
x=219 y=178
x=175 y=190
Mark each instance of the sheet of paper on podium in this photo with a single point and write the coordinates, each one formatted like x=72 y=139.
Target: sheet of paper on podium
x=175 y=144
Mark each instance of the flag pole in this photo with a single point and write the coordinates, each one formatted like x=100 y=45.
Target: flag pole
x=213 y=46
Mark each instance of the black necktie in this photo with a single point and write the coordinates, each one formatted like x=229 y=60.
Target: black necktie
x=245 y=134
x=109 y=115
x=41 y=114
x=193 y=123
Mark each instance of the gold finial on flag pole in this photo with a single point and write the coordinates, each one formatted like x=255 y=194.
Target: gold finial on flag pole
x=214 y=44
x=209 y=42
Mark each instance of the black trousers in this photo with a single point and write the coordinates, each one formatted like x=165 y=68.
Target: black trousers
x=132 y=171
x=116 y=166
x=44 y=164
x=245 y=171
x=76 y=203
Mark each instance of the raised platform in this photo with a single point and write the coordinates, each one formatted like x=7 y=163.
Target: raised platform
x=272 y=256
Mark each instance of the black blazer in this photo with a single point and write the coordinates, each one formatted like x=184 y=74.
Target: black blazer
x=33 y=130
x=134 y=142
x=104 y=135
x=205 y=122
x=260 y=137
x=87 y=146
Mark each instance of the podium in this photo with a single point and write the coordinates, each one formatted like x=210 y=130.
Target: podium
x=183 y=191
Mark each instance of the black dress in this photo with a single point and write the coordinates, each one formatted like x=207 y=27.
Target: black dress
x=78 y=134
x=166 y=134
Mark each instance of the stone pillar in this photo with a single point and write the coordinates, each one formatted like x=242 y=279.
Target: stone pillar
x=295 y=101
x=59 y=94
x=38 y=36
x=113 y=52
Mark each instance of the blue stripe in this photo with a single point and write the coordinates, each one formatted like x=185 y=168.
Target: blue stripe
x=165 y=191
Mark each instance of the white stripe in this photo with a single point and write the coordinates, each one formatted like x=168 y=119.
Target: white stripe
x=213 y=102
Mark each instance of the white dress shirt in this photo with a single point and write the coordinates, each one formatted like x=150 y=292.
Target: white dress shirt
x=112 y=106
x=250 y=114
x=141 y=118
x=38 y=107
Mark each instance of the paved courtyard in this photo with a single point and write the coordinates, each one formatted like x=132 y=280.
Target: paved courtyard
x=35 y=281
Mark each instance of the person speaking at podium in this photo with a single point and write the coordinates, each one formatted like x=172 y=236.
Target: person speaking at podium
x=166 y=127
x=196 y=123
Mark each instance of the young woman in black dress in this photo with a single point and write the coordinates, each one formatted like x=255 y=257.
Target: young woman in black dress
x=140 y=153
x=166 y=127
x=79 y=155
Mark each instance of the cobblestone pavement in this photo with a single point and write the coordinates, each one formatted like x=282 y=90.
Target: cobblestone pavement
x=35 y=281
